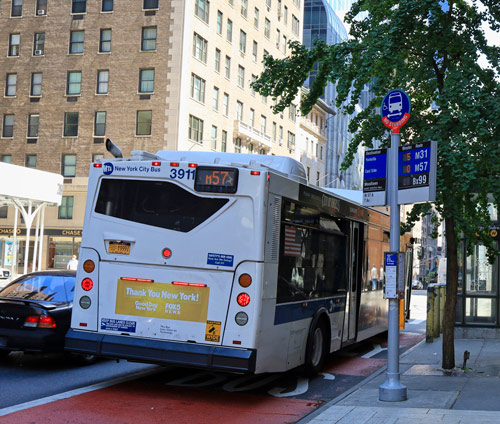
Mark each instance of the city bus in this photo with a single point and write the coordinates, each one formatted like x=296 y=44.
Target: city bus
x=222 y=261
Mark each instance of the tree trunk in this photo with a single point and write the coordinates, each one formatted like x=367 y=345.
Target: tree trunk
x=450 y=306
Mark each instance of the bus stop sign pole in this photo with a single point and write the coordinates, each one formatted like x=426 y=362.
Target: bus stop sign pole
x=395 y=113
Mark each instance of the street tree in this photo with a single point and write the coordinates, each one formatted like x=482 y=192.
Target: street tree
x=431 y=50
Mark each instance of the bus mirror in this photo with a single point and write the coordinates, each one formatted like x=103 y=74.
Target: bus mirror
x=113 y=149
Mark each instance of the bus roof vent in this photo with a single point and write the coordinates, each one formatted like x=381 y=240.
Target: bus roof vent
x=281 y=164
x=142 y=155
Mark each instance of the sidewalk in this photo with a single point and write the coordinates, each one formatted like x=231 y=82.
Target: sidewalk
x=471 y=396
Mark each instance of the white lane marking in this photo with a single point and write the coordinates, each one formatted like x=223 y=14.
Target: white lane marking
x=75 y=392
x=373 y=352
x=327 y=376
x=301 y=387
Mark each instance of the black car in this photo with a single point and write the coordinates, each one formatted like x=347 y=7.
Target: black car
x=35 y=312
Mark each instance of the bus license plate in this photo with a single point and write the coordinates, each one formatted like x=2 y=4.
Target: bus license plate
x=119 y=248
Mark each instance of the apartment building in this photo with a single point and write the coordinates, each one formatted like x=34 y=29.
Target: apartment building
x=148 y=74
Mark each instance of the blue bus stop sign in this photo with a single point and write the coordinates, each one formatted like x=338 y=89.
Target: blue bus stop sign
x=395 y=110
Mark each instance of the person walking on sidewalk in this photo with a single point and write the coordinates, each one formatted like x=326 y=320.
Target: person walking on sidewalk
x=72 y=263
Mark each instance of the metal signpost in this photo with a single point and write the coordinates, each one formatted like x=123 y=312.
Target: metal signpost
x=395 y=110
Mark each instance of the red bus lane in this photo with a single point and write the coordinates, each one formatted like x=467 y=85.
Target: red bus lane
x=181 y=395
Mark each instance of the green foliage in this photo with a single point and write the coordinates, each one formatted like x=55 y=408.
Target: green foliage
x=432 y=54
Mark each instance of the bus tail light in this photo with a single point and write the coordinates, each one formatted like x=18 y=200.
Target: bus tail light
x=87 y=284
x=156 y=163
x=241 y=318
x=243 y=299
x=182 y=283
x=245 y=280
x=88 y=266
x=97 y=165
x=175 y=164
x=167 y=253
x=193 y=165
x=254 y=172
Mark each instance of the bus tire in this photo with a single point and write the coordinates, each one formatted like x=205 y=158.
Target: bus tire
x=315 y=350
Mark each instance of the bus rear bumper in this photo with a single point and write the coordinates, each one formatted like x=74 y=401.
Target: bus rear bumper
x=161 y=352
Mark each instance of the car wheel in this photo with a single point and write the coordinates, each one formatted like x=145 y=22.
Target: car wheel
x=315 y=350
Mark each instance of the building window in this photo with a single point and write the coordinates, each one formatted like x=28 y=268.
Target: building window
x=144 y=122
x=97 y=156
x=30 y=161
x=146 y=80
x=252 y=117
x=7 y=158
x=225 y=104
x=252 y=90
x=33 y=123
x=291 y=140
x=14 y=41
x=197 y=88
x=201 y=9
x=17 y=8
x=39 y=44
x=36 y=84
x=11 y=85
x=263 y=124
x=4 y=211
x=79 y=6
x=215 y=99
x=195 y=131
x=267 y=28
x=102 y=82
x=254 y=51
x=71 y=124
x=227 y=67
x=200 y=46
x=107 y=6
x=243 y=41
x=219 y=22
x=41 y=7
x=295 y=25
x=268 y=3
x=8 y=126
x=223 y=143
x=256 y=18
x=292 y=112
x=275 y=128
x=66 y=208
x=148 y=38
x=74 y=83
x=285 y=15
x=239 y=111
x=105 y=41
x=76 y=42
x=100 y=124
x=237 y=145
x=244 y=8
x=150 y=4
x=278 y=38
x=241 y=76
x=250 y=148
x=68 y=165
x=217 y=60
x=229 y=30
x=213 y=138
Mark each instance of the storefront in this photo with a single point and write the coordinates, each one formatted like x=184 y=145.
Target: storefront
x=58 y=247
x=478 y=291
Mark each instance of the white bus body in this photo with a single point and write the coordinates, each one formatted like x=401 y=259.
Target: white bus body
x=220 y=261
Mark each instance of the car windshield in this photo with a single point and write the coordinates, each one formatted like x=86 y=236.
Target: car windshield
x=53 y=288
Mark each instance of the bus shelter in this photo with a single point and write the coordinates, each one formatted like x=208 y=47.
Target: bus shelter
x=29 y=191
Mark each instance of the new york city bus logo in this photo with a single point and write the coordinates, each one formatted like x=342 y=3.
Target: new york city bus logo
x=107 y=168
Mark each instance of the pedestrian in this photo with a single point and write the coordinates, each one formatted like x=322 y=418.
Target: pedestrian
x=374 y=277
x=72 y=263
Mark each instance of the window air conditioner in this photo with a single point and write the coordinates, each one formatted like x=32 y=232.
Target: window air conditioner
x=38 y=52
x=40 y=12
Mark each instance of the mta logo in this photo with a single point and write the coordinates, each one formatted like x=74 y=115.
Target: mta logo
x=108 y=168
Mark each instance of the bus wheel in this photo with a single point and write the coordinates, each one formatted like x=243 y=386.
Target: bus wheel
x=315 y=350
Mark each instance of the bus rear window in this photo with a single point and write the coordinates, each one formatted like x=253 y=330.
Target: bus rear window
x=158 y=203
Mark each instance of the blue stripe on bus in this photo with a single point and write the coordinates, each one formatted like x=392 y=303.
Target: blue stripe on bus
x=296 y=311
